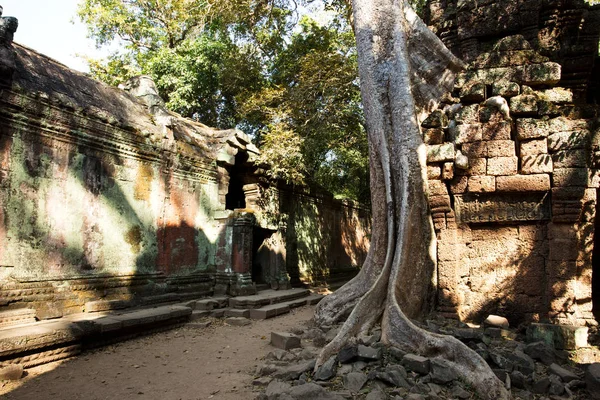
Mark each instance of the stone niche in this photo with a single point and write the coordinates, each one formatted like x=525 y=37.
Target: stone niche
x=109 y=200
x=512 y=162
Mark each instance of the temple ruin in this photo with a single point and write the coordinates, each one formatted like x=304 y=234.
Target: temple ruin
x=513 y=161
x=108 y=200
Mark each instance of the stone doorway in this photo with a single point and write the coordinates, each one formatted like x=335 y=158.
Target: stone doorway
x=235 y=198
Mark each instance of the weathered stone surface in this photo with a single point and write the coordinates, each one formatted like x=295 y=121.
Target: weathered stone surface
x=348 y=354
x=292 y=372
x=496 y=131
x=467 y=114
x=500 y=148
x=592 y=380
x=533 y=75
x=465 y=133
x=475 y=149
x=416 y=363
x=481 y=184
x=564 y=374
x=368 y=353
x=436 y=119
x=557 y=95
x=523 y=183
x=433 y=136
x=448 y=171
x=270 y=311
x=477 y=166
x=354 y=381
x=474 y=92
x=441 y=372
x=524 y=104
x=564 y=177
x=505 y=89
x=502 y=166
x=540 y=351
x=276 y=388
x=237 y=321
x=440 y=152
x=312 y=391
x=533 y=147
x=327 y=370
x=570 y=159
x=497 y=321
x=11 y=372
x=284 y=340
x=559 y=336
x=531 y=128
x=569 y=140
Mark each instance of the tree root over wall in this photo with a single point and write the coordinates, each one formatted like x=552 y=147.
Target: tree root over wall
x=404 y=68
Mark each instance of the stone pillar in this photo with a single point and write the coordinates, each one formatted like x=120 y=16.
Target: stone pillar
x=234 y=255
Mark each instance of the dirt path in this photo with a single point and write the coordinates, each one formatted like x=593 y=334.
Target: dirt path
x=217 y=362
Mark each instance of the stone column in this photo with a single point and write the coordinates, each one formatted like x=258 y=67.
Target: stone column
x=234 y=255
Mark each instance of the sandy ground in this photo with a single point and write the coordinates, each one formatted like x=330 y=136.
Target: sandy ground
x=187 y=363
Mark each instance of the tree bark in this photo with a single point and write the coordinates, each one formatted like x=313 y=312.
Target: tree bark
x=404 y=69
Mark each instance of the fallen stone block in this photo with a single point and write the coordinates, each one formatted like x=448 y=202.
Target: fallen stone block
x=565 y=337
x=327 y=371
x=218 y=313
x=441 y=372
x=592 y=380
x=564 y=374
x=496 y=321
x=416 y=363
x=237 y=321
x=368 y=353
x=284 y=340
x=348 y=354
x=540 y=351
x=354 y=381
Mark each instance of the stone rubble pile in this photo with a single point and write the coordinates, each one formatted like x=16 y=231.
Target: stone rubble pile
x=539 y=369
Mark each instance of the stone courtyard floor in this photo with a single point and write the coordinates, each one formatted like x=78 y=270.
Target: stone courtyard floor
x=187 y=363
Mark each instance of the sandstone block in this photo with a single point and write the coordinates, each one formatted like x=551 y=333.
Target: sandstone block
x=557 y=95
x=533 y=147
x=563 y=250
x=468 y=114
x=284 y=340
x=505 y=89
x=433 y=136
x=524 y=104
x=477 y=166
x=531 y=128
x=434 y=172
x=569 y=140
x=547 y=73
x=473 y=93
x=238 y=321
x=570 y=177
x=482 y=184
x=437 y=188
x=502 y=166
x=436 y=119
x=501 y=148
x=561 y=268
x=440 y=152
x=465 y=133
x=523 y=183
x=459 y=184
x=564 y=374
x=440 y=203
x=570 y=159
x=475 y=149
x=496 y=131
x=448 y=171
x=565 y=337
x=537 y=164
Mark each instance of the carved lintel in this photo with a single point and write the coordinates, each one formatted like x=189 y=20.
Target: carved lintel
x=473 y=208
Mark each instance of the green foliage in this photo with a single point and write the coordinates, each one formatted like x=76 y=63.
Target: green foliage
x=245 y=63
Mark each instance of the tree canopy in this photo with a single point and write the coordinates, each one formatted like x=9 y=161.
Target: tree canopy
x=267 y=67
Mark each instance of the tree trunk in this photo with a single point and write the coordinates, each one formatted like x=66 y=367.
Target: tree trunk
x=404 y=68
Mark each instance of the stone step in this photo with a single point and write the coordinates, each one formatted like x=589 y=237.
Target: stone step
x=267 y=297
x=269 y=311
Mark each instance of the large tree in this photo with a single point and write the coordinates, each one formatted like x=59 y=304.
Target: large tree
x=404 y=69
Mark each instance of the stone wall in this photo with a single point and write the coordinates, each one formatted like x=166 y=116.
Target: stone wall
x=511 y=165
x=108 y=200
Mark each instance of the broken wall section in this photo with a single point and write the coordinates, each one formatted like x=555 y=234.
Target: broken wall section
x=512 y=189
